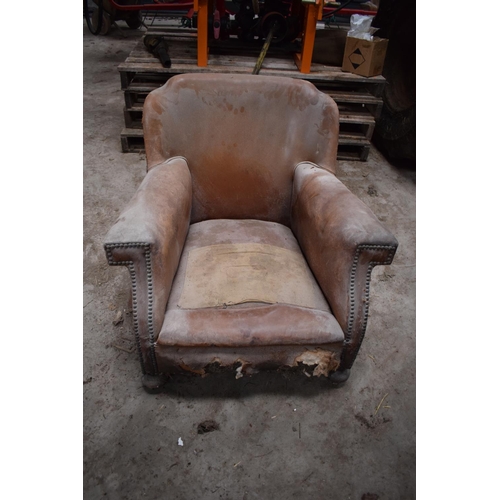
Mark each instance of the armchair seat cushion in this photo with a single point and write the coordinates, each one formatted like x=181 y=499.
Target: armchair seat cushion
x=245 y=283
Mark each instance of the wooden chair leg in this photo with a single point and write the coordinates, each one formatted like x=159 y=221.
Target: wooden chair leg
x=339 y=377
x=153 y=383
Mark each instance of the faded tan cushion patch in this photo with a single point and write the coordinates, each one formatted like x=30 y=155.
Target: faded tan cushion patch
x=230 y=274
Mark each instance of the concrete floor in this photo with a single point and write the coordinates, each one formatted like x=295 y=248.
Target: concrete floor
x=280 y=436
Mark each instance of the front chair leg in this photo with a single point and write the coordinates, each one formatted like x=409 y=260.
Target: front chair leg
x=340 y=376
x=153 y=383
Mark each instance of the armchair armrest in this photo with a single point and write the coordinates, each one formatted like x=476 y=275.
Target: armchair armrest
x=148 y=237
x=342 y=241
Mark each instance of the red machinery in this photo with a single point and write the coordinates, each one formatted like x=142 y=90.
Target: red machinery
x=219 y=19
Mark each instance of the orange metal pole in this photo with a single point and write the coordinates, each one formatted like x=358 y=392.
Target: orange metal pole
x=304 y=59
x=202 y=34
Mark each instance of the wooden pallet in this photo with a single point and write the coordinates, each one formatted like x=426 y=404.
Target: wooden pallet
x=357 y=97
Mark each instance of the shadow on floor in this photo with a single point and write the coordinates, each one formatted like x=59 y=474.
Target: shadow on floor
x=224 y=385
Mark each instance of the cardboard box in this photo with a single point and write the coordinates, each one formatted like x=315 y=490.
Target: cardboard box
x=363 y=57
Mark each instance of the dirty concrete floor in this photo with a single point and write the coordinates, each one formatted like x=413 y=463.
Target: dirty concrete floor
x=280 y=436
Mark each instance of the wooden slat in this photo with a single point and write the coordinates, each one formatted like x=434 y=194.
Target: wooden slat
x=144 y=54
x=316 y=73
x=348 y=140
x=361 y=118
x=132 y=132
x=273 y=66
x=352 y=97
x=143 y=87
x=136 y=107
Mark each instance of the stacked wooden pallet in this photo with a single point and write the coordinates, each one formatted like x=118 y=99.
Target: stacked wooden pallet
x=357 y=97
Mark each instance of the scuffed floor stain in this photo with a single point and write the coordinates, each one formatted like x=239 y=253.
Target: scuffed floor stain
x=207 y=426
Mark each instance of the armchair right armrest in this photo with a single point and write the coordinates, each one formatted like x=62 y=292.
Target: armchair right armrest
x=342 y=241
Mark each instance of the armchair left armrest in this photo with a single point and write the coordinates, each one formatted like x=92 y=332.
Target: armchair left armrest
x=342 y=241
x=148 y=238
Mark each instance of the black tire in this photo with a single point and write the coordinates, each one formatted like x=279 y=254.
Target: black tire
x=106 y=22
x=94 y=22
x=395 y=132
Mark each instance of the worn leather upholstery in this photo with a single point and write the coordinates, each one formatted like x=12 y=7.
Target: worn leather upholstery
x=246 y=160
x=242 y=139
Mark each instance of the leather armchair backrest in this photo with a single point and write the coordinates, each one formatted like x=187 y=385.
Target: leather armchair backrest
x=242 y=136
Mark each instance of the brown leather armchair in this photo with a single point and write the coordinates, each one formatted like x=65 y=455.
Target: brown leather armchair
x=244 y=249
